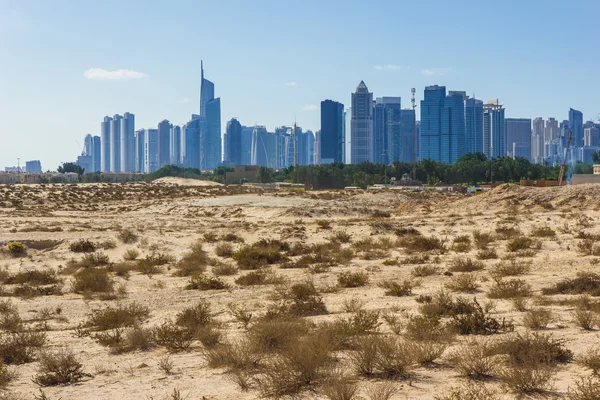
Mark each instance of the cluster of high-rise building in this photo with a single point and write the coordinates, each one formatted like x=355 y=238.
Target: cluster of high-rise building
x=376 y=130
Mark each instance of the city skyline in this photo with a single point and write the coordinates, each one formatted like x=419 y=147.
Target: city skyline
x=88 y=70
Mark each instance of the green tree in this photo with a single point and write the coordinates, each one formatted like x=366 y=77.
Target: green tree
x=70 y=167
x=264 y=175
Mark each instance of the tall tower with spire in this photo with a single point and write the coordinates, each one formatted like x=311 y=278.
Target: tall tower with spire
x=361 y=128
x=209 y=124
x=207 y=91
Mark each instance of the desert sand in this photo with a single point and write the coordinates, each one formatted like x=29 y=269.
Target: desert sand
x=169 y=216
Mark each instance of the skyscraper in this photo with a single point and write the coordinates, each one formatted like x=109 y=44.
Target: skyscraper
x=362 y=125
x=576 y=125
x=538 y=141
x=164 y=143
x=386 y=129
x=493 y=129
x=518 y=137
x=33 y=167
x=127 y=143
x=474 y=125
x=431 y=121
x=407 y=138
x=232 y=155
x=105 y=144
x=210 y=127
x=175 y=145
x=97 y=155
x=552 y=130
x=191 y=142
x=247 y=145
x=309 y=138
x=151 y=150
x=452 y=132
x=140 y=144
x=330 y=144
x=210 y=156
x=590 y=136
x=260 y=154
x=115 y=143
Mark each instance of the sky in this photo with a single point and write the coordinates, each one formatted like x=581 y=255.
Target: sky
x=66 y=64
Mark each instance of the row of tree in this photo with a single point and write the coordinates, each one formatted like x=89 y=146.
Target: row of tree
x=469 y=169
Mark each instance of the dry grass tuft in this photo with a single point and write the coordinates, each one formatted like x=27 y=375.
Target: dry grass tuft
x=58 y=368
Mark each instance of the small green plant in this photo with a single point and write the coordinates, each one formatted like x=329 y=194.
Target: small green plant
x=16 y=248
x=509 y=289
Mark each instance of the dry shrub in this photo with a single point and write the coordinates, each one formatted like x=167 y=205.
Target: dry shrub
x=381 y=391
x=200 y=281
x=87 y=261
x=534 y=348
x=427 y=328
x=487 y=254
x=464 y=283
x=21 y=347
x=33 y=277
x=275 y=335
x=224 y=249
x=585 y=389
x=150 y=264
x=421 y=244
x=510 y=268
x=465 y=264
x=239 y=355
x=353 y=279
x=340 y=387
x=122 y=269
x=231 y=237
x=359 y=323
x=223 y=269
x=131 y=254
x=475 y=360
x=383 y=356
x=241 y=314
x=482 y=239
x=92 y=280
x=505 y=232
x=591 y=359
x=117 y=317
x=587 y=247
x=341 y=236
x=585 y=282
x=471 y=391
x=165 y=364
x=194 y=261
x=299 y=299
x=264 y=252
x=442 y=304
x=426 y=352
x=83 y=246
x=127 y=236
x=527 y=378
x=415 y=260
x=297 y=366
x=543 y=231
x=173 y=337
x=585 y=319
x=461 y=247
x=210 y=237
x=59 y=367
x=399 y=289
x=425 y=270
x=352 y=305
x=520 y=243
x=195 y=316
x=264 y=276
x=323 y=224
x=510 y=289
x=537 y=319
x=477 y=322
x=9 y=317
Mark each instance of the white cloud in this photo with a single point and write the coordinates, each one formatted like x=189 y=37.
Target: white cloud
x=292 y=84
x=309 y=107
x=119 y=74
x=389 y=67
x=435 y=71
x=183 y=100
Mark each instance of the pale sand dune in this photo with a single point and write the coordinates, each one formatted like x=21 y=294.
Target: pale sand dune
x=170 y=222
x=169 y=180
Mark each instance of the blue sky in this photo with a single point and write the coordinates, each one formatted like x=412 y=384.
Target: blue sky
x=274 y=61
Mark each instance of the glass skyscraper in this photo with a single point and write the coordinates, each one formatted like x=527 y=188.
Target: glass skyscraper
x=452 y=138
x=361 y=128
x=407 y=137
x=493 y=130
x=105 y=144
x=431 y=121
x=210 y=127
x=386 y=129
x=474 y=125
x=331 y=139
x=232 y=155
x=127 y=142
x=115 y=143
x=518 y=137
x=164 y=143
x=576 y=125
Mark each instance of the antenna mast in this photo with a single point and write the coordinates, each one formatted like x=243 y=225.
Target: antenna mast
x=414 y=127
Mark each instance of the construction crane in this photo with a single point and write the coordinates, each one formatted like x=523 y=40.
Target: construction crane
x=564 y=164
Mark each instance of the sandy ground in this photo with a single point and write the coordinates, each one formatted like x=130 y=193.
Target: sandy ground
x=170 y=219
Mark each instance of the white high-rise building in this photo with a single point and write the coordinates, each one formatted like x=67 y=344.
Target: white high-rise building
x=105 y=144
x=128 y=143
x=538 y=140
x=115 y=143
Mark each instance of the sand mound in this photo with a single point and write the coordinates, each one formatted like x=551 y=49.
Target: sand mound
x=171 y=180
x=504 y=196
